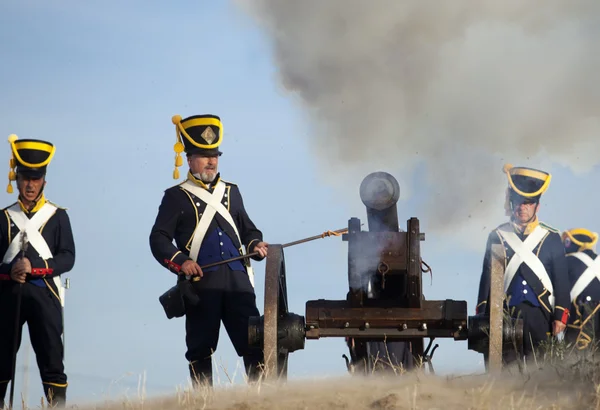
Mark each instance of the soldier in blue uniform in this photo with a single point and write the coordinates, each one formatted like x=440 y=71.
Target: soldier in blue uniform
x=205 y=215
x=50 y=253
x=584 y=276
x=536 y=280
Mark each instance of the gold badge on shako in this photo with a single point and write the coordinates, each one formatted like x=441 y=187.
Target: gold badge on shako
x=209 y=135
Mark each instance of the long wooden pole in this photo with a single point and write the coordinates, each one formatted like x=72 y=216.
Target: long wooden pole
x=311 y=238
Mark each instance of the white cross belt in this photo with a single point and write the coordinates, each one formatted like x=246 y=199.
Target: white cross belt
x=524 y=254
x=214 y=205
x=591 y=272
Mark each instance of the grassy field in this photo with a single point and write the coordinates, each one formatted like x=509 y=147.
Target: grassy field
x=405 y=392
x=555 y=381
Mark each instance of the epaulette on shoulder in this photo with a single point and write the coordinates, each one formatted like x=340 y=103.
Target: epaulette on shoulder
x=58 y=206
x=6 y=208
x=174 y=188
x=503 y=226
x=550 y=228
x=177 y=185
x=229 y=183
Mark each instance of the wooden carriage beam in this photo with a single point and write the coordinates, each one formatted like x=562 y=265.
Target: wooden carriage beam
x=338 y=318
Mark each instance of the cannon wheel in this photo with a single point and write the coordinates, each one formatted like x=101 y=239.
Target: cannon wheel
x=276 y=307
x=496 y=307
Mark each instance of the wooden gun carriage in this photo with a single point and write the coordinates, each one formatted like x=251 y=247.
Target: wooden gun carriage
x=385 y=309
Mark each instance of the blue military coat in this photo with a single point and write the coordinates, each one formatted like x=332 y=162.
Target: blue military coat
x=585 y=291
x=180 y=212
x=526 y=285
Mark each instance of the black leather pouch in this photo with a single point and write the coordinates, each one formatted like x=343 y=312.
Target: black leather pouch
x=175 y=300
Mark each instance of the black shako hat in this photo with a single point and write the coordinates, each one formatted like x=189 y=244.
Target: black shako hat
x=197 y=135
x=30 y=157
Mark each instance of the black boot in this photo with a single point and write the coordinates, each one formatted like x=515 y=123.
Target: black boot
x=56 y=395
x=201 y=372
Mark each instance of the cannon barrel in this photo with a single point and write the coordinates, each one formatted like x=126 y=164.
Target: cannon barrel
x=379 y=192
x=383 y=262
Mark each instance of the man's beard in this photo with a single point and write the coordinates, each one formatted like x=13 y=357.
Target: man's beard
x=206 y=177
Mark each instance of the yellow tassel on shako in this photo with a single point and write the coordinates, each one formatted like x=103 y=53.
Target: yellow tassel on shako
x=12 y=176
x=178 y=147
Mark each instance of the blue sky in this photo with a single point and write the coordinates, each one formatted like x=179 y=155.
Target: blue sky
x=102 y=82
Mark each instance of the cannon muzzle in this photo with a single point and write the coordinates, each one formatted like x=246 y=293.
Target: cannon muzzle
x=380 y=191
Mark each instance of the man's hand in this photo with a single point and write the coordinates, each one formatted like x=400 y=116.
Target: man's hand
x=557 y=327
x=261 y=248
x=20 y=269
x=191 y=268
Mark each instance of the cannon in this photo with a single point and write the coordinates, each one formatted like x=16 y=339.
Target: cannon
x=385 y=317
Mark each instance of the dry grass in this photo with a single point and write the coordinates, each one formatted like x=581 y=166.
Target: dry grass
x=410 y=391
x=560 y=379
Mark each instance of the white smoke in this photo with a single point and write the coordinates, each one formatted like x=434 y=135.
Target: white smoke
x=459 y=87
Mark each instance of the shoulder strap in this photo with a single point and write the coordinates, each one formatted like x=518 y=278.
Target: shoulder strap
x=32 y=227
x=213 y=201
x=524 y=254
x=213 y=205
x=207 y=216
x=591 y=272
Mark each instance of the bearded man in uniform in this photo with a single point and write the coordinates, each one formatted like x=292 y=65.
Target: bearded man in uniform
x=536 y=280
x=206 y=217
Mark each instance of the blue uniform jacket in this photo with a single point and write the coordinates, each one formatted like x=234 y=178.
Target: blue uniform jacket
x=179 y=213
x=525 y=285
x=58 y=235
x=591 y=294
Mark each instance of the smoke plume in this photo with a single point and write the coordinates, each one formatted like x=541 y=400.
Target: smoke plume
x=454 y=88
